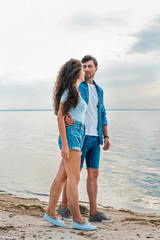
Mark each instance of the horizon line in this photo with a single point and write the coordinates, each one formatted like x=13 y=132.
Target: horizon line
x=111 y=109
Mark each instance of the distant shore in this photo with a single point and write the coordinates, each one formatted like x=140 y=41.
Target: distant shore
x=113 y=109
x=22 y=218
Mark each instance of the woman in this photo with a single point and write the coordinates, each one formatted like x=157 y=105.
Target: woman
x=67 y=99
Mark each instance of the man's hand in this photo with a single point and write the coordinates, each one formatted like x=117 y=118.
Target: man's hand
x=106 y=144
x=69 y=120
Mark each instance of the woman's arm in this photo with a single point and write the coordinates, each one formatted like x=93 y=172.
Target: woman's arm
x=62 y=131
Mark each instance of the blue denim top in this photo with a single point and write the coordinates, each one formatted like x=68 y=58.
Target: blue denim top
x=102 y=120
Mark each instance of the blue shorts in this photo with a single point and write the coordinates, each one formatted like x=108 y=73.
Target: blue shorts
x=91 y=152
x=75 y=136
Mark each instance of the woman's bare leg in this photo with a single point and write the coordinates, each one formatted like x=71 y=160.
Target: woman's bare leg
x=72 y=166
x=64 y=202
x=56 y=189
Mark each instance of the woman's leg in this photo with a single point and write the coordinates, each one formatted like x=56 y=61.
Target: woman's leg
x=56 y=189
x=64 y=202
x=72 y=166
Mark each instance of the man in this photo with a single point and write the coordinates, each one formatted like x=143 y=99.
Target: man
x=95 y=132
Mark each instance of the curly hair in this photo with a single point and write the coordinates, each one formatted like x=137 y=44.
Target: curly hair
x=67 y=77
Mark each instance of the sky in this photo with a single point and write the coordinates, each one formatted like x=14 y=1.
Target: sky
x=38 y=36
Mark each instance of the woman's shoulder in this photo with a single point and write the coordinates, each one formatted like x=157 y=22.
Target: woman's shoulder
x=64 y=96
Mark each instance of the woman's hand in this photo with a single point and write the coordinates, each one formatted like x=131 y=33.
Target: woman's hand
x=65 y=152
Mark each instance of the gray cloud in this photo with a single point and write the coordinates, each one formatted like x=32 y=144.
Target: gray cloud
x=115 y=77
x=24 y=96
x=116 y=74
x=148 y=39
x=85 y=19
x=130 y=84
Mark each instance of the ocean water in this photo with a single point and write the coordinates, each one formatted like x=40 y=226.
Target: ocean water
x=129 y=172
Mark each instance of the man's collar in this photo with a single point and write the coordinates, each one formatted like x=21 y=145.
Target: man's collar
x=87 y=82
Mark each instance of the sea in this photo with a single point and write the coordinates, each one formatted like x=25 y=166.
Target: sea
x=129 y=175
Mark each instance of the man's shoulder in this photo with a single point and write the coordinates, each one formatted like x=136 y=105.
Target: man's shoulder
x=82 y=85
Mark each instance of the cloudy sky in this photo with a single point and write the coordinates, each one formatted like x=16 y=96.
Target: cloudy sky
x=38 y=36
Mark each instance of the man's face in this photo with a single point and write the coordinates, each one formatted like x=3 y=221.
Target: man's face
x=89 y=69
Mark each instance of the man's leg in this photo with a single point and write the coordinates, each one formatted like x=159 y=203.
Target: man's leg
x=92 y=162
x=92 y=157
x=92 y=189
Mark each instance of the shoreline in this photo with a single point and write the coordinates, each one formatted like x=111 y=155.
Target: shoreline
x=45 y=197
x=22 y=218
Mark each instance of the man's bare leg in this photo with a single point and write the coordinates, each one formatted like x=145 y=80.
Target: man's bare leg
x=92 y=189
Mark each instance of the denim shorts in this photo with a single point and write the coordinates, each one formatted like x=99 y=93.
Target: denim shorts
x=91 y=152
x=75 y=136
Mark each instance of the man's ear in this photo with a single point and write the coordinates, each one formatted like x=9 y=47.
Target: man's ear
x=96 y=69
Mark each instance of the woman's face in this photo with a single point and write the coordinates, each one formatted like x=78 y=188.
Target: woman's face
x=81 y=77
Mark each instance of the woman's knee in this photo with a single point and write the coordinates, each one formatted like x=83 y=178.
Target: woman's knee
x=61 y=177
x=74 y=178
x=78 y=178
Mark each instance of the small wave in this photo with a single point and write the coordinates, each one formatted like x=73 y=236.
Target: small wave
x=37 y=194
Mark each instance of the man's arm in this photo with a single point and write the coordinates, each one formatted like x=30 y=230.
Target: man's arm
x=106 y=138
x=69 y=120
x=106 y=145
x=103 y=111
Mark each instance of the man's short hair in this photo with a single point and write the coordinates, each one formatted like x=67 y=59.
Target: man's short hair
x=87 y=58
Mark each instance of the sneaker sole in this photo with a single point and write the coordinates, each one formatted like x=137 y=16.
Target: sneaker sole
x=84 y=229
x=67 y=219
x=103 y=221
x=107 y=221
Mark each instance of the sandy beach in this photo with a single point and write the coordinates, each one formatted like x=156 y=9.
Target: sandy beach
x=22 y=218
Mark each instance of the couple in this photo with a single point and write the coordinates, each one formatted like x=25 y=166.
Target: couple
x=82 y=126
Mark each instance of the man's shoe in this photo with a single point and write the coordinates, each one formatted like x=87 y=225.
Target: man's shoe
x=99 y=217
x=87 y=226
x=65 y=213
x=57 y=222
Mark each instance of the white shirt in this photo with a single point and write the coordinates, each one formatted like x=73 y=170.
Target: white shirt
x=91 y=120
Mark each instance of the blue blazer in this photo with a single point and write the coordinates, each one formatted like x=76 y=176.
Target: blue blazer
x=102 y=119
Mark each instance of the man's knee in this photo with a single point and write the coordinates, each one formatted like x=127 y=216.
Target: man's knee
x=93 y=173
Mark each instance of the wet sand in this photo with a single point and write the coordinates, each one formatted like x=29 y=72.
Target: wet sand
x=22 y=218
